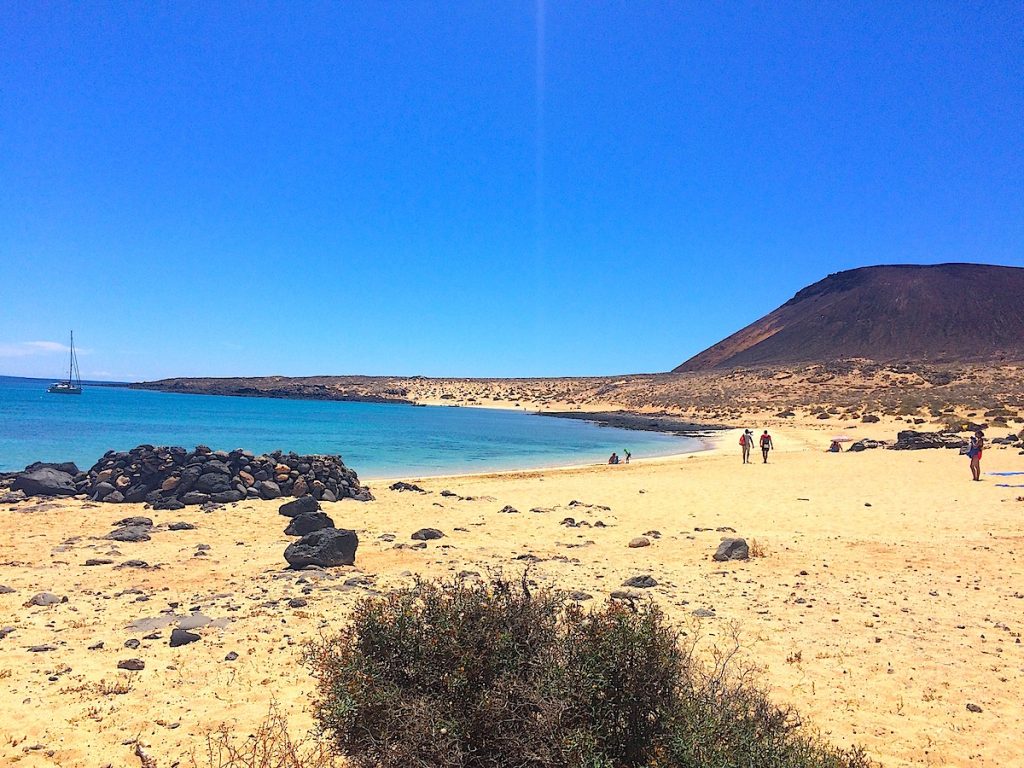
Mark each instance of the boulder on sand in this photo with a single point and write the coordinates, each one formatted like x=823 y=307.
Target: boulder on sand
x=308 y=522
x=303 y=505
x=427 y=534
x=731 y=549
x=325 y=548
x=45 y=482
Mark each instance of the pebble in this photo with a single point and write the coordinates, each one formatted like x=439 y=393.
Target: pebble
x=639 y=541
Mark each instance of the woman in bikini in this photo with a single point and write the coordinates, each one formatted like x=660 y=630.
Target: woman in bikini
x=977 y=445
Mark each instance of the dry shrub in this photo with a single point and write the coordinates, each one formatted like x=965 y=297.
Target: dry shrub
x=499 y=675
x=271 y=746
x=757 y=549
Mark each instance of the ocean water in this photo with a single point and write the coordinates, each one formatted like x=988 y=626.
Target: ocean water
x=376 y=440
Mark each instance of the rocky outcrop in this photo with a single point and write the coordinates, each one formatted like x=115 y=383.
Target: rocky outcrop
x=171 y=477
x=909 y=440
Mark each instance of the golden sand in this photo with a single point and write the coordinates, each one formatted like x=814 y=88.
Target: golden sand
x=889 y=596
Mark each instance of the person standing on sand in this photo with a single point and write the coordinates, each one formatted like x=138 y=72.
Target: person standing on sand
x=974 y=453
x=766 y=445
x=746 y=439
x=627 y=454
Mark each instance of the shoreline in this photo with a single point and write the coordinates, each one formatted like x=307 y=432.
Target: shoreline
x=853 y=612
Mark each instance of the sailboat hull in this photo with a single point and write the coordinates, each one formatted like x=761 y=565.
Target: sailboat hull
x=64 y=389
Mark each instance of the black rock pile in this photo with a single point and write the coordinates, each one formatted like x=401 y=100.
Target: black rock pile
x=172 y=477
x=909 y=440
x=322 y=545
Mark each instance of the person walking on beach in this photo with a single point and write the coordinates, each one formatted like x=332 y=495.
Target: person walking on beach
x=746 y=439
x=974 y=454
x=766 y=445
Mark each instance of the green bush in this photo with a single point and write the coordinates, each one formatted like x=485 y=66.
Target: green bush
x=498 y=675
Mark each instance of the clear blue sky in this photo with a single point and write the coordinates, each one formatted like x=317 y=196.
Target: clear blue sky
x=480 y=188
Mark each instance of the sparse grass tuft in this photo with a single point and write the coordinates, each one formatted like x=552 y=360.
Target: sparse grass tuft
x=122 y=685
x=271 y=746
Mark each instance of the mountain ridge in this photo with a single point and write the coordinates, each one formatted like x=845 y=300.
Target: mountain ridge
x=954 y=312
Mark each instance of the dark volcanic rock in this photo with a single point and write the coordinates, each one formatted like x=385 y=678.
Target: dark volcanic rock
x=45 y=482
x=181 y=526
x=130 y=533
x=168 y=504
x=427 y=534
x=132 y=665
x=170 y=477
x=909 y=440
x=308 y=522
x=325 y=548
x=144 y=522
x=300 y=506
x=226 y=497
x=182 y=637
x=100 y=491
x=864 y=445
x=732 y=549
x=44 y=599
x=269 y=489
x=67 y=467
x=643 y=582
x=213 y=482
x=403 y=486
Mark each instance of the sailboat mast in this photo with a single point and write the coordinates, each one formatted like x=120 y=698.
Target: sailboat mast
x=71 y=359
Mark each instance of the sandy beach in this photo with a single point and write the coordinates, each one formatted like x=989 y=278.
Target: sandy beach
x=887 y=596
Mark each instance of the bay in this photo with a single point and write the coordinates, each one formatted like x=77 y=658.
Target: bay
x=377 y=440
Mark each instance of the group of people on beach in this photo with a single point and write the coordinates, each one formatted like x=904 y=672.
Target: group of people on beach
x=626 y=456
x=747 y=442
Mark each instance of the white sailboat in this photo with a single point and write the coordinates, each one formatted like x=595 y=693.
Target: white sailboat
x=73 y=384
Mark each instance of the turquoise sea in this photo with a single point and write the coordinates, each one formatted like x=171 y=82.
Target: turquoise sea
x=376 y=440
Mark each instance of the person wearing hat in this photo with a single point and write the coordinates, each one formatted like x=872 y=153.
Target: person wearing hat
x=746 y=440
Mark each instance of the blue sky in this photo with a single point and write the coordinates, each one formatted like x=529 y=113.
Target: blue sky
x=483 y=189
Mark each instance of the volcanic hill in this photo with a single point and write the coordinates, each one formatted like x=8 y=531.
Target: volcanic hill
x=936 y=313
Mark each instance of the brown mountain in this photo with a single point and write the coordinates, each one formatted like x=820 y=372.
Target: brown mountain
x=939 y=313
